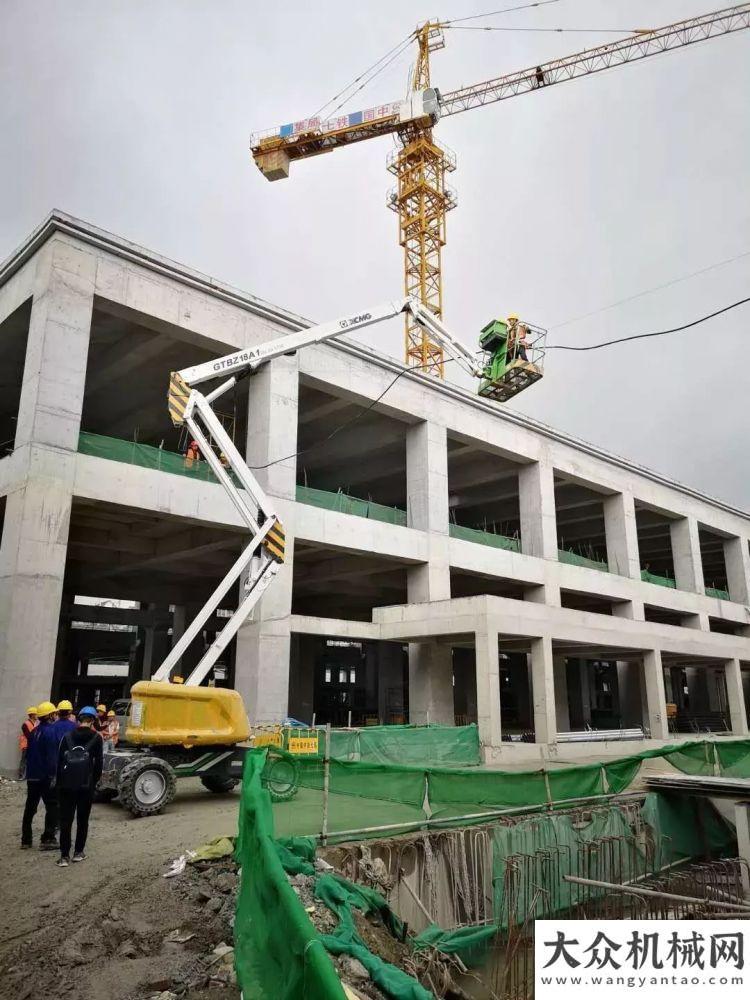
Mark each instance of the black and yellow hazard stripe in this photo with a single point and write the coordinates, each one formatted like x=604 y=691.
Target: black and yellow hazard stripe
x=177 y=397
x=274 y=542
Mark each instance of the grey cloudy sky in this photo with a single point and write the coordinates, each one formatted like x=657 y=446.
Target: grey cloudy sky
x=135 y=115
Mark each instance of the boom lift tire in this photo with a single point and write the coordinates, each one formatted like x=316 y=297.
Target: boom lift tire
x=146 y=786
x=281 y=777
x=219 y=783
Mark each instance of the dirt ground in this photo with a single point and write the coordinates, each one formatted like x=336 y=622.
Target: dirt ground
x=97 y=930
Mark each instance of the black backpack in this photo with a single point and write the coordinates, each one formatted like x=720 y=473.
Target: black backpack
x=76 y=769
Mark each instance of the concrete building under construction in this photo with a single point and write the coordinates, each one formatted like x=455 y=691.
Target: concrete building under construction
x=447 y=559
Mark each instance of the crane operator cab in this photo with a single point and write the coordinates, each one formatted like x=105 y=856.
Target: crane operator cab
x=513 y=359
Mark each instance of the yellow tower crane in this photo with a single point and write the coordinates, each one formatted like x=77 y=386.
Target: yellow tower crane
x=420 y=164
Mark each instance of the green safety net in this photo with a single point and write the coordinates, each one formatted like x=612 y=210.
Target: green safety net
x=660 y=581
x=484 y=537
x=734 y=758
x=144 y=455
x=576 y=559
x=435 y=744
x=286 y=957
x=719 y=592
x=280 y=958
x=350 y=505
x=370 y=799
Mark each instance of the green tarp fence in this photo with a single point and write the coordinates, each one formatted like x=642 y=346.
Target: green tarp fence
x=278 y=953
x=285 y=957
x=485 y=537
x=350 y=505
x=435 y=744
x=660 y=581
x=576 y=559
x=364 y=797
x=144 y=455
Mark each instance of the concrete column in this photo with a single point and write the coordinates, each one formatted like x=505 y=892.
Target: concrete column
x=264 y=641
x=653 y=675
x=37 y=513
x=543 y=684
x=737 y=561
x=430 y=664
x=427 y=477
x=430 y=684
x=488 y=687
x=686 y=555
x=742 y=825
x=32 y=567
x=621 y=531
x=562 y=711
x=54 y=372
x=149 y=664
x=735 y=698
x=536 y=498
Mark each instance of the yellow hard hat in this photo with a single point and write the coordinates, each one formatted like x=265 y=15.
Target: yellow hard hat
x=512 y=318
x=64 y=706
x=101 y=708
x=110 y=714
x=31 y=710
x=45 y=708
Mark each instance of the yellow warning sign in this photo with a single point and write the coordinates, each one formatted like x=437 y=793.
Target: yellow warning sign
x=268 y=739
x=303 y=744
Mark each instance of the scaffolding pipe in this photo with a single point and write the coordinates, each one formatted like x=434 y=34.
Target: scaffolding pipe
x=421 y=824
x=657 y=894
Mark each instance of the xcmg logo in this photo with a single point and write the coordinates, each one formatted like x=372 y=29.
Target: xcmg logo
x=346 y=324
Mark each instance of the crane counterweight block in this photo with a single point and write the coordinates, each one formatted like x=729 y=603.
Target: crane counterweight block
x=177 y=398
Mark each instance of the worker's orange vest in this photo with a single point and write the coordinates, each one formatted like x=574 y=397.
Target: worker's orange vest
x=27 y=728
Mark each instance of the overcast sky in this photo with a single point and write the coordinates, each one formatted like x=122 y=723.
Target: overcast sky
x=135 y=115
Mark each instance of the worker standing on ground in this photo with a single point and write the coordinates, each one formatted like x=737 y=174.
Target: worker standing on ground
x=101 y=718
x=66 y=720
x=79 y=767
x=41 y=773
x=27 y=728
x=111 y=731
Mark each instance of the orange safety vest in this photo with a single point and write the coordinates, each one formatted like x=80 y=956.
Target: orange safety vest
x=27 y=728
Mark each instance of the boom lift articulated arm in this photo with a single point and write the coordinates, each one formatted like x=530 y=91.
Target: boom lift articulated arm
x=260 y=560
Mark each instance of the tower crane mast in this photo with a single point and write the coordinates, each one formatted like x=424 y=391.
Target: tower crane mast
x=421 y=198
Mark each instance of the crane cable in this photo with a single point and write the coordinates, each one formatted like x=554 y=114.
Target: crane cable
x=394 y=53
x=644 y=336
x=492 y=13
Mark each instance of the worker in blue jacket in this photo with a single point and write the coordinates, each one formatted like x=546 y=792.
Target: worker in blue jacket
x=41 y=775
x=66 y=720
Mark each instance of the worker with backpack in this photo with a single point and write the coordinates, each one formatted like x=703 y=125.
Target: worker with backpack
x=79 y=767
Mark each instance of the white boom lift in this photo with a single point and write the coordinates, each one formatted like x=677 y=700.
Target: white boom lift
x=186 y=730
x=262 y=557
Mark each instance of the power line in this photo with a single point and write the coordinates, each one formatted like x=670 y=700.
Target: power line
x=505 y=10
x=643 y=336
x=650 y=291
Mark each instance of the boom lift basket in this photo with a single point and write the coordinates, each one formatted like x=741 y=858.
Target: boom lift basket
x=508 y=373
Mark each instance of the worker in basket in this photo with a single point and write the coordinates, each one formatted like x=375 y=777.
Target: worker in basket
x=192 y=454
x=517 y=343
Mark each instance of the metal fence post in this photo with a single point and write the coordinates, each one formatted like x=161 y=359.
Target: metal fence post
x=326 y=784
